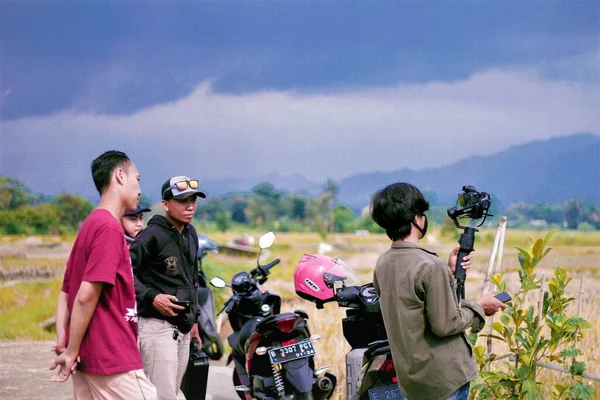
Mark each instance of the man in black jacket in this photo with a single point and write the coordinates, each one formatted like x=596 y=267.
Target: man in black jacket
x=164 y=259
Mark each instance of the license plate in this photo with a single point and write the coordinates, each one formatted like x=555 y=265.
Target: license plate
x=292 y=352
x=385 y=393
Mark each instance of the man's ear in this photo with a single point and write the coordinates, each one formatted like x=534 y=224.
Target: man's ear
x=165 y=205
x=120 y=175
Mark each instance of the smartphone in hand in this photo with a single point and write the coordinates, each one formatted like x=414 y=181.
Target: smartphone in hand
x=503 y=297
x=185 y=304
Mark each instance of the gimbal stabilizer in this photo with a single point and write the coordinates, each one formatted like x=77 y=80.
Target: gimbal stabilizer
x=475 y=205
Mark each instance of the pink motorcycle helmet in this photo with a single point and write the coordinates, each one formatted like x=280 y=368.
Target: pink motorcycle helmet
x=309 y=277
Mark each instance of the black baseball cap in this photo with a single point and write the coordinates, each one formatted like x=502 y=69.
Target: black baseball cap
x=171 y=188
x=137 y=211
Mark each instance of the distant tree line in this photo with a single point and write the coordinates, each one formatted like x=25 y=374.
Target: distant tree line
x=266 y=207
x=572 y=214
x=23 y=212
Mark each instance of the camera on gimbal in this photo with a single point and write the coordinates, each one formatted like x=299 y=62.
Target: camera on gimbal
x=473 y=205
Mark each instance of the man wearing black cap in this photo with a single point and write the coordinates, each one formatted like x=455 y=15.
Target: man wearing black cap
x=133 y=223
x=164 y=260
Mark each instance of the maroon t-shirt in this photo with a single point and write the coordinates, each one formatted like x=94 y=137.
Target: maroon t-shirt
x=100 y=254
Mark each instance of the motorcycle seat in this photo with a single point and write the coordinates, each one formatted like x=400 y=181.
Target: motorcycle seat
x=265 y=324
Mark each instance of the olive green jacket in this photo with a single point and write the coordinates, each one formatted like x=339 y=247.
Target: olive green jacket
x=424 y=323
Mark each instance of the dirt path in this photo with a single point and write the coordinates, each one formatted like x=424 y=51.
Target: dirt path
x=24 y=375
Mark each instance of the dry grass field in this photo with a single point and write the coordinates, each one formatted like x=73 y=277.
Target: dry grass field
x=31 y=271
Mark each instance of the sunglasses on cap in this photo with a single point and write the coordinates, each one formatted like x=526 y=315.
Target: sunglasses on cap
x=183 y=185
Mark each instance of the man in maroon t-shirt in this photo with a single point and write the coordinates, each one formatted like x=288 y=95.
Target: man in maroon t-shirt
x=96 y=315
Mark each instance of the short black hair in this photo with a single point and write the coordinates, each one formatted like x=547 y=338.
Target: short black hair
x=395 y=206
x=104 y=165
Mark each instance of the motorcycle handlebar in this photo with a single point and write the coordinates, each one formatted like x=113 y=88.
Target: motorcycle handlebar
x=272 y=264
x=263 y=270
x=346 y=295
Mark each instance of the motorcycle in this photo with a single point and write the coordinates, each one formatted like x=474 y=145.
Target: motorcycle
x=272 y=352
x=212 y=344
x=370 y=372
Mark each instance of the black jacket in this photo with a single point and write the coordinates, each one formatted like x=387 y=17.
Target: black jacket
x=165 y=261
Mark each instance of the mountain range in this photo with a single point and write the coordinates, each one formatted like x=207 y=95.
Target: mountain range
x=550 y=171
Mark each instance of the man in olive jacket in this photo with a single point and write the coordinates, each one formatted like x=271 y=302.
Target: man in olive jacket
x=424 y=321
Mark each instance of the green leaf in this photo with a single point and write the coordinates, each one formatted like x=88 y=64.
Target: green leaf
x=548 y=236
x=581 y=391
x=502 y=287
x=531 y=389
x=558 y=390
x=571 y=352
x=525 y=359
x=546 y=252
x=577 y=368
x=479 y=351
x=555 y=328
x=504 y=319
x=496 y=279
x=497 y=326
x=538 y=248
x=524 y=257
x=534 y=262
x=546 y=303
x=530 y=314
x=554 y=287
x=518 y=318
x=523 y=340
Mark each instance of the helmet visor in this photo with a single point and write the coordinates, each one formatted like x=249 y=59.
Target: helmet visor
x=351 y=277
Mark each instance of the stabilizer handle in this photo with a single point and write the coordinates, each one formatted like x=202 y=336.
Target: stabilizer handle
x=467 y=243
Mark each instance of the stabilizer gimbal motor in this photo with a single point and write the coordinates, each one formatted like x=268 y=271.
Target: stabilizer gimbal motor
x=473 y=205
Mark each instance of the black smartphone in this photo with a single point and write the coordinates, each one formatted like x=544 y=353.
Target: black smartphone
x=503 y=297
x=185 y=304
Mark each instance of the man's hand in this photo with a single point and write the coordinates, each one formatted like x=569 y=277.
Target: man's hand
x=68 y=365
x=466 y=264
x=490 y=304
x=163 y=303
x=194 y=334
x=58 y=348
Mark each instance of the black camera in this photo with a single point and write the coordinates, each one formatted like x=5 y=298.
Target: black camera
x=473 y=205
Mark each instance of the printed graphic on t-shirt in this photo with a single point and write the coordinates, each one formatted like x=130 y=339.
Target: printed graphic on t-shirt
x=131 y=314
x=171 y=266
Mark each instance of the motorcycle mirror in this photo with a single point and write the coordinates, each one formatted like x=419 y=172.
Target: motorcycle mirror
x=266 y=240
x=218 y=282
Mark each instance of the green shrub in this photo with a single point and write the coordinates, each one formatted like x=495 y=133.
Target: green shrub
x=525 y=330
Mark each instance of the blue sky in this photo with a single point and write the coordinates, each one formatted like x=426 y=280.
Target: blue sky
x=324 y=89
